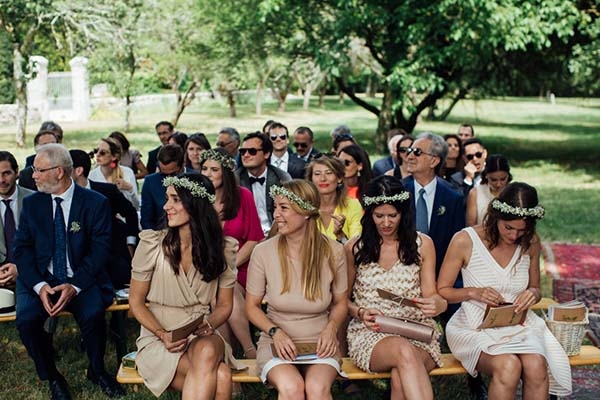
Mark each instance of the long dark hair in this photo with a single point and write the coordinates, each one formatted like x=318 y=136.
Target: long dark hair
x=231 y=188
x=367 y=248
x=207 y=235
x=516 y=194
x=495 y=163
x=360 y=156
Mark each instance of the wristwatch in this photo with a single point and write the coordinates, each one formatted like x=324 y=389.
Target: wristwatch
x=272 y=330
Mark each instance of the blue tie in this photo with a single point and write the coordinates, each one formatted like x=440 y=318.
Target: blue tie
x=422 y=223
x=9 y=230
x=59 y=260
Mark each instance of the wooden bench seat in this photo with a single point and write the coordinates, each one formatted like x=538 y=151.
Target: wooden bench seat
x=589 y=355
x=111 y=308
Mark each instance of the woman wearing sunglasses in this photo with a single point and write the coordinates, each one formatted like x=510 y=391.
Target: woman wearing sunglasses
x=108 y=170
x=358 y=171
x=400 y=170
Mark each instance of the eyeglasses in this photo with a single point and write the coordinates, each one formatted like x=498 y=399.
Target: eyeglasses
x=479 y=154
x=223 y=144
x=402 y=149
x=417 y=152
x=283 y=136
x=343 y=136
x=300 y=145
x=42 y=170
x=347 y=163
x=101 y=152
x=250 y=150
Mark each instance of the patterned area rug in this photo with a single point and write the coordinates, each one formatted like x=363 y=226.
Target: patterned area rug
x=575 y=271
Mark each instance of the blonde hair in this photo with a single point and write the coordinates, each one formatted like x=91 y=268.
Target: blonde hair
x=337 y=167
x=315 y=249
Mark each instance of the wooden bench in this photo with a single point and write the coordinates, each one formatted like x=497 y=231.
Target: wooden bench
x=589 y=355
x=111 y=308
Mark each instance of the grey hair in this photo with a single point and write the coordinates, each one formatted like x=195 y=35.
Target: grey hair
x=232 y=132
x=393 y=142
x=438 y=147
x=58 y=155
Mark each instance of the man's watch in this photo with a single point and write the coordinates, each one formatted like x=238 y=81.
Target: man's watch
x=272 y=330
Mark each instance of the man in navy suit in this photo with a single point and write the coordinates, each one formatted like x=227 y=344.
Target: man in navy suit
x=164 y=130
x=304 y=140
x=170 y=163
x=62 y=248
x=11 y=204
x=282 y=156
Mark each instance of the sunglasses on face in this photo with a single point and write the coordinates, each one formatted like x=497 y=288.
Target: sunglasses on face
x=479 y=154
x=223 y=144
x=417 y=152
x=347 y=163
x=402 y=149
x=250 y=150
x=101 y=152
x=283 y=136
x=300 y=145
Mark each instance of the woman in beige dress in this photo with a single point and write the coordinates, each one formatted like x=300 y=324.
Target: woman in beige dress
x=301 y=274
x=180 y=271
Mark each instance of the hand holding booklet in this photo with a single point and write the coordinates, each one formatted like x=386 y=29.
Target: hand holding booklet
x=186 y=330
x=502 y=315
x=304 y=350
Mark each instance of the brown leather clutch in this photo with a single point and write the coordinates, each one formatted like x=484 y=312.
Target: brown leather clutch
x=407 y=328
x=302 y=349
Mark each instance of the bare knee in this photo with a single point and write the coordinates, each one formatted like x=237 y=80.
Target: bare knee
x=205 y=353
x=534 y=367
x=292 y=388
x=317 y=389
x=508 y=371
x=406 y=355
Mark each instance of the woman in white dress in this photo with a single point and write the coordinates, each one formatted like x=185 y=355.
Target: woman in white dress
x=494 y=177
x=499 y=262
x=109 y=170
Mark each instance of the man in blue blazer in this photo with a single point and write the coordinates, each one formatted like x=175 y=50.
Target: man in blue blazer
x=11 y=204
x=62 y=248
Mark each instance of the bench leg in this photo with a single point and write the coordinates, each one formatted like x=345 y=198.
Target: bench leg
x=118 y=332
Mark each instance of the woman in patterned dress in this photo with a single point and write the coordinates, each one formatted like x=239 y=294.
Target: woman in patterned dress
x=499 y=262
x=391 y=255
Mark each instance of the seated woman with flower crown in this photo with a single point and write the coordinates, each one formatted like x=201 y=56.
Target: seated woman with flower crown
x=499 y=263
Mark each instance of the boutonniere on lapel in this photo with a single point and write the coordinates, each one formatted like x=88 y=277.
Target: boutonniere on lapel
x=75 y=227
x=441 y=211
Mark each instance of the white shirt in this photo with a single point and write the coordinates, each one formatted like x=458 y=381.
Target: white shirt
x=13 y=206
x=429 y=196
x=67 y=197
x=259 y=192
x=128 y=176
x=280 y=162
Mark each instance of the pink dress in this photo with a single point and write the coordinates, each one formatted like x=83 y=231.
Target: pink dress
x=244 y=227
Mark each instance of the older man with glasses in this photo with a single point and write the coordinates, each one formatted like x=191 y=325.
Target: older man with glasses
x=258 y=175
x=474 y=156
x=304 y=144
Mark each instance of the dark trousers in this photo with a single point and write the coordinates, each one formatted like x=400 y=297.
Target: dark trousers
x=88 y=309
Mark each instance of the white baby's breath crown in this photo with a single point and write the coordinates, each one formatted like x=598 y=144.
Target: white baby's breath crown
x=293 y=197
x=402 y=196
x=533 y=212
x=195 y=188
x=224 y=160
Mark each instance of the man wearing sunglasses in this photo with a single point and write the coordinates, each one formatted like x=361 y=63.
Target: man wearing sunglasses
x=257 y=175
x=474 y=156
x=282 y=156
x=304 y=144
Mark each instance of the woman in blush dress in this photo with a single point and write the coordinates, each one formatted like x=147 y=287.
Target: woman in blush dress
x=184 y=272
x=390 y=254
x=237 y=212
x=301 y=274
x=340 y=214
x=499 y=263
x=109 y=170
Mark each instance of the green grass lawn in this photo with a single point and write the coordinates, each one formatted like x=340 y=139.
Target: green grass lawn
x=553 y=147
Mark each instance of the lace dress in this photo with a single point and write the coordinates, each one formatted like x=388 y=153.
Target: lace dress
x=403 y=280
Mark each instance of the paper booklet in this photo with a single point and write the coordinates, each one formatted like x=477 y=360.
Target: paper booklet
x=386 y=294
x=186 y=330
x=502 y=315
x=571 y=311
x=304 y=350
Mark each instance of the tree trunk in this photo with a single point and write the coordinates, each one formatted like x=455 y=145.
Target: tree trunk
x=183 y=101
x=322 y=93
x=231 y=103
x=306 y=100
x=259 y=93
x=127 y=112
x=384 y=121
x=19 y=81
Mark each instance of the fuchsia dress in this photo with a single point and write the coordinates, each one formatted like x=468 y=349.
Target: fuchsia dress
x=244 y=227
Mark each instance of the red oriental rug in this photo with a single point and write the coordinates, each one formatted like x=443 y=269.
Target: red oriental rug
x=575 y=271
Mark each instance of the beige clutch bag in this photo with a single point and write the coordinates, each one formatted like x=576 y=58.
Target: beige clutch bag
x=407 y=328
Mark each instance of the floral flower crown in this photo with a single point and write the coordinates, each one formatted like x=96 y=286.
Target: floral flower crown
x=224 y=160
x=195 y=188
x=535 y=212
x=293 y=197
x=402 y=196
